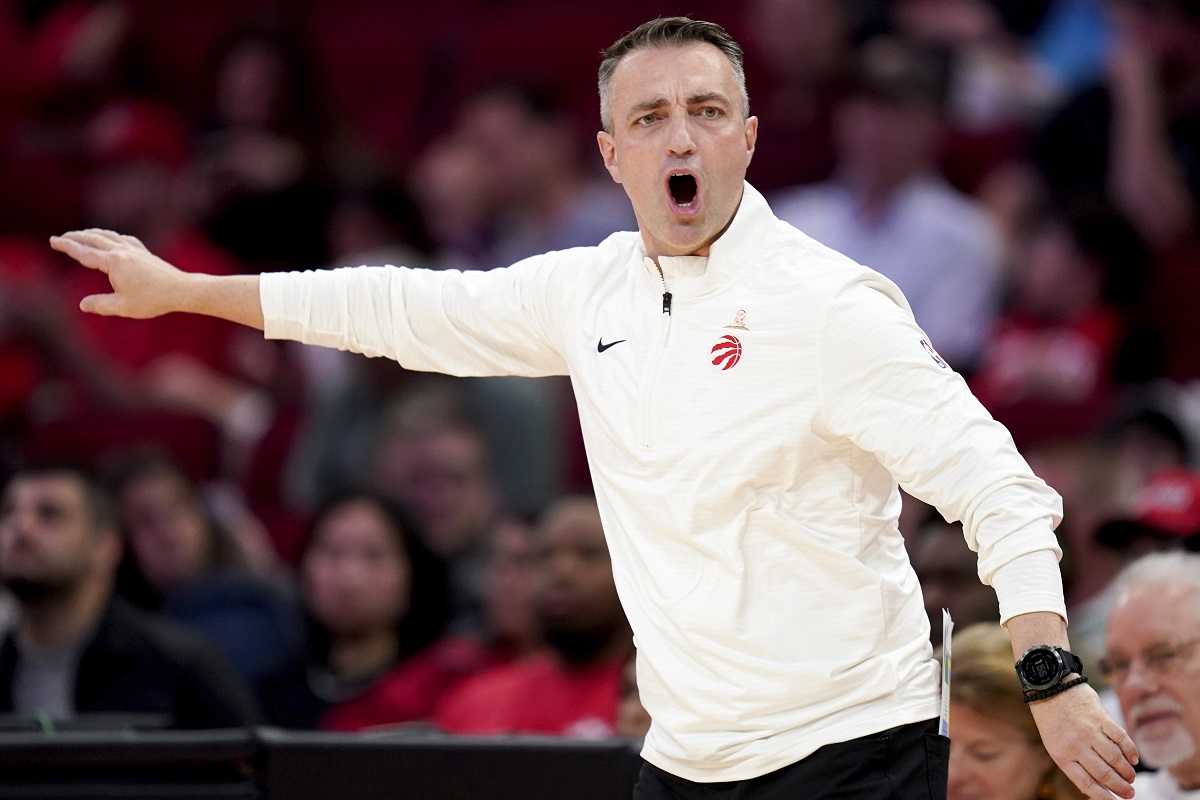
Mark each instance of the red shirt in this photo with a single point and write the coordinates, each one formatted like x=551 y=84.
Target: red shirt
x=538 y=695
x=412 y=690
x=1049 y=380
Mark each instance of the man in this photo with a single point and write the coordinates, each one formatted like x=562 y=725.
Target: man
x=75 y=649
x=748 y=399
x=888 y=207
x=1153 y=666
x=573 y=687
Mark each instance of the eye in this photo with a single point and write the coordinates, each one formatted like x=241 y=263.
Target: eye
x=710 y=112
x=647 y=119
x=1162 y=660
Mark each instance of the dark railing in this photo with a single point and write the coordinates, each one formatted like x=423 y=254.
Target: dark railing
x=271 y=764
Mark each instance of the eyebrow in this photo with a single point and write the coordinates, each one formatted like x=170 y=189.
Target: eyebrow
x=694 y=100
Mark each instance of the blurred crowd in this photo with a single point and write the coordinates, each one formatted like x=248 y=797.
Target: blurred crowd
x=362 y=546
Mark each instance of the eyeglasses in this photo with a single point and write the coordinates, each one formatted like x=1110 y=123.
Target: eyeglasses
x=1157 y=661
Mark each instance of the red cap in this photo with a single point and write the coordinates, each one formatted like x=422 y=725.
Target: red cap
x=131 y=130
x=1168 y=506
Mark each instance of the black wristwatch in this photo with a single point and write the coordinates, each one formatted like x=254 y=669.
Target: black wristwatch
x=1042 y=668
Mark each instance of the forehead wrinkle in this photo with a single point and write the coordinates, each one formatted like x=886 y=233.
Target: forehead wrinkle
x=649 y=105
x=656 y=103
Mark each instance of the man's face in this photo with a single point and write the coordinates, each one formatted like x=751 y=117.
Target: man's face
x=577 y=591
x=1153 y=657
x=167 y=530
x=679 y=144
x=46 y=538
x=442 y=475
x=948 y=572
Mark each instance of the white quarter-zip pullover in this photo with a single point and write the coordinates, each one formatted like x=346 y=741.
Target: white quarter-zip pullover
x=747 y=417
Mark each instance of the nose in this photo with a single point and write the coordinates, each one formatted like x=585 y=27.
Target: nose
x=1139 y=681
x=680 y=142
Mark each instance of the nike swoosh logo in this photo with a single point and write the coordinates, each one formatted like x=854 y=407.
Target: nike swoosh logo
x=601 y=346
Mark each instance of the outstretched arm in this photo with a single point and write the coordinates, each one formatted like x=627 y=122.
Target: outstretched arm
x=144 y=286
x=1094 y=752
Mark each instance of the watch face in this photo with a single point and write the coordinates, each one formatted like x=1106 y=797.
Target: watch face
x=1041 y=668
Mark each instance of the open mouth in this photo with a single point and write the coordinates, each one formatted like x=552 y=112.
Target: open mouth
x=683 y=189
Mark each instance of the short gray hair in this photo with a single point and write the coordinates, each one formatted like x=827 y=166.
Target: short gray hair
x=669 y=32
x=1172 y=567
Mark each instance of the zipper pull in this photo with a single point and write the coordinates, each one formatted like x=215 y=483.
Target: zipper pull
x=667 y=303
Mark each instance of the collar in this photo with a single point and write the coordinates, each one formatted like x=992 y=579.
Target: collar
x=730 y=254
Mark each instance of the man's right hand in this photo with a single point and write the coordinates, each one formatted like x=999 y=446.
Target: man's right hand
x=144 y=286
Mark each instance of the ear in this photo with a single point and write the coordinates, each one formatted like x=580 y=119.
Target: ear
x=751 y=132
x=608 y=152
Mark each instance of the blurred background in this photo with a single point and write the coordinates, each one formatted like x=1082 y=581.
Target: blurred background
x=1028 y=171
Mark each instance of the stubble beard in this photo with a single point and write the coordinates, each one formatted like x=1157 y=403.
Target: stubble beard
x=34 y=592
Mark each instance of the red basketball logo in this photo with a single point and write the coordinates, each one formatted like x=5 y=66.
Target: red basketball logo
x=726 y=353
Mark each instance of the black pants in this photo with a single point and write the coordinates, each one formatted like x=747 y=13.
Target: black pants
x=905 y=763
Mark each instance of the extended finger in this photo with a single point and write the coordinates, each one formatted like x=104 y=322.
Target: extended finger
x=1121 y=738
x=81 y=251
x=1114 y=756
x=104 y=233
x=92 y=237
x=1106 y=775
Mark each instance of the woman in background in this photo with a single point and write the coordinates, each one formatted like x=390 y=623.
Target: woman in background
x=375 y=599
x=996 y=752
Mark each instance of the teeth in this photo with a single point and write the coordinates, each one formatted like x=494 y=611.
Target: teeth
x=686 y=205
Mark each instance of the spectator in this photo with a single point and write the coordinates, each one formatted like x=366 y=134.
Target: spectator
x=376 y=599
x=511 y=629
x=57 y=58
x=260 y=156
x=431 y=458
x=1164 y=515
x=546 y=200
x=1136 y=137
x=632 y=718
x=1047 y=369
x=212 y=578
x=996 y=752
x=573 y=688
x=77 y=649
x=949 y=575
x=137 y=182
x=888 y=208
x=406 y=694
x=1153 y=666
x=805 y=54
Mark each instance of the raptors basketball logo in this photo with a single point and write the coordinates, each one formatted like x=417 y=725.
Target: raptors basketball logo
x=727 y=352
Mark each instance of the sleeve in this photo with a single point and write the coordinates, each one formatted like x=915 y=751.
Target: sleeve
x=501 y=322
x=884 y=387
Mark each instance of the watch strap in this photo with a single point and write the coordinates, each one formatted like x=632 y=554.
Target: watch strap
x=1034 y=695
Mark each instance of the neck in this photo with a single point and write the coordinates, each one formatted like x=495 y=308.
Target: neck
x=51 y=624
x=352 y=655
